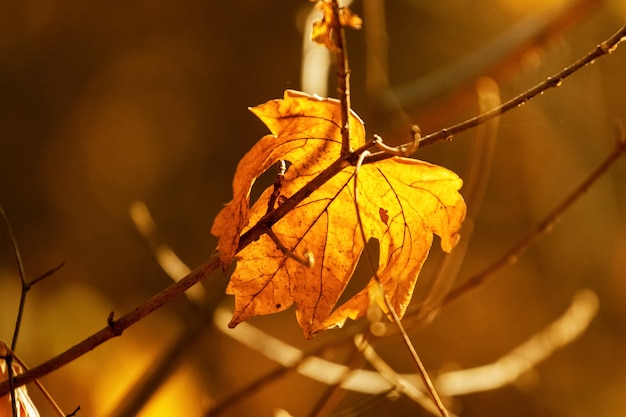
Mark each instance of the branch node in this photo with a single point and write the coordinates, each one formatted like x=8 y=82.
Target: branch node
x=112 y=324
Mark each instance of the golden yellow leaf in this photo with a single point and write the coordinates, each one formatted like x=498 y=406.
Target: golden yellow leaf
x=25 y=406
x=402 y=202
x=323 y=29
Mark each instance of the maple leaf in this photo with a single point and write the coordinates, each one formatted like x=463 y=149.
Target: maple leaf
x=402 y=203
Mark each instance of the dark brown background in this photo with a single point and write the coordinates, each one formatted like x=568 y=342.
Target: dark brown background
x=105 y=102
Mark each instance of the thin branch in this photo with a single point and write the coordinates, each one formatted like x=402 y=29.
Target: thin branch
x=599 y=51
x=8 y=360
x=402 y=383
x=536 y=349
x=46 y=274
x=333 y=394
x=20 y=268
x=389 y=306
x=542 y=227
x=423 y=373
x=475 y=185
x=497 y=58
x=343 y=78
x=526 y=356
x=116 y=327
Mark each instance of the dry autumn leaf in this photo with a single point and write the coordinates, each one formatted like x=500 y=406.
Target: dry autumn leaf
x=25 y=406
x=323 y=29
x=402 y=202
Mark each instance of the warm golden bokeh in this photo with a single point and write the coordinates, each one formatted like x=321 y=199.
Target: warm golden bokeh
x=106 y=103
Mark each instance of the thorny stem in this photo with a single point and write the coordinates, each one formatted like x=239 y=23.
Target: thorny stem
x=115 y=328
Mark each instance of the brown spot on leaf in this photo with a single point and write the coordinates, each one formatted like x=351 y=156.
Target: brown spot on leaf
x=384 y=216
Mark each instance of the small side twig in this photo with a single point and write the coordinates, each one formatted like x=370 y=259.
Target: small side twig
x=20 y=268
x=306 y=260
x=25 y=285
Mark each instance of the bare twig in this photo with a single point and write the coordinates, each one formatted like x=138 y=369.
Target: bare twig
x=475 y=185
x=343 y=78
x=10 y=355
x=423 y=373
x=20 y=268
x=542 y=227
x=402 y=383
x=497 y=59
x=331 y=397
x=25 y=285
x=389 y=306
x=20 y=402
x=527 y=355
x=116 y=327
x=605 y=48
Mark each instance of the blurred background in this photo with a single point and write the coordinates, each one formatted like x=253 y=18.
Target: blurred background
x=105 y=103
